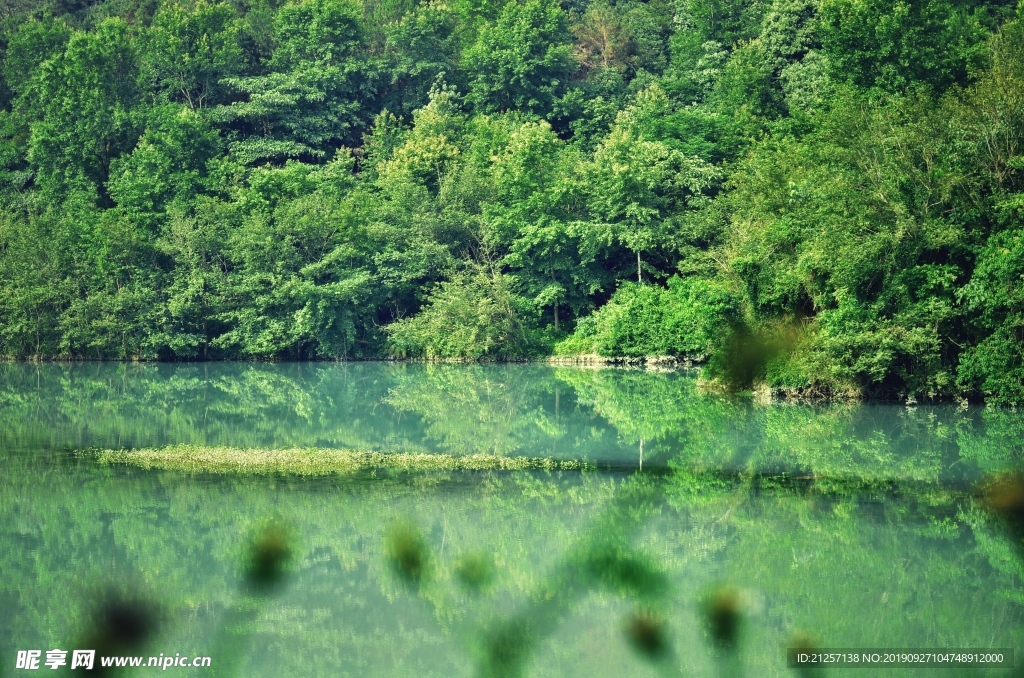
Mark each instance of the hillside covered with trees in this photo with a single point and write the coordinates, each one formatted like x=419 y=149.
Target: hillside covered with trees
x=826 y=196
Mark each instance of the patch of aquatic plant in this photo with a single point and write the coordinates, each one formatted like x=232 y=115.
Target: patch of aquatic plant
x=318 y=461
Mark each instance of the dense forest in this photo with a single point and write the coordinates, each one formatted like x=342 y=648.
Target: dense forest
x=822 y=196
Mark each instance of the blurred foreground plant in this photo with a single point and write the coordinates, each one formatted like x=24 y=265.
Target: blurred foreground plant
x=408 y=553
x=267 y=554
x=121 y=624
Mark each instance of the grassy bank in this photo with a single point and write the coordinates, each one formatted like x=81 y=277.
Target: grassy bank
x=316 y=461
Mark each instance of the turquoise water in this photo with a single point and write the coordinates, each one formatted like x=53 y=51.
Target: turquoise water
x=858 y=525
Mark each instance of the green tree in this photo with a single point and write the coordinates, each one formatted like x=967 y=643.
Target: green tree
x=474 y=315
x=81 y=117
x=35 y=296
x=298 y=275
x=689 y=319
x=638 y=182
x=189 y=50
x=423 y=47
x=892 y=43
x=316 y=94
x=521 y=61
x=534 y=221
x=33 y=42
x=846 y=230
x=992 y=122
x=167 y=165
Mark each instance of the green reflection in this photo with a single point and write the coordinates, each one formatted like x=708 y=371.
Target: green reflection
x=855 y=525
x=571 y=555
x=609 y=417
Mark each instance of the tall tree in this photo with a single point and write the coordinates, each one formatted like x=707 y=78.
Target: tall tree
x=521 y=61
x=316 y=96
x=81 y=113
x=189 y=50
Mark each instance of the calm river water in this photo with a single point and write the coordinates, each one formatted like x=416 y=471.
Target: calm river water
x=857 y=526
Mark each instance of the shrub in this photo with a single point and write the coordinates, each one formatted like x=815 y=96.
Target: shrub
x=473 y=316
x=687 y=319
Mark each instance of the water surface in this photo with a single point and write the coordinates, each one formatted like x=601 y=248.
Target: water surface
x=856 y=524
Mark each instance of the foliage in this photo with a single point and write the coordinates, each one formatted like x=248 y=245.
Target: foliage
x=475 y=315
x=308 y=104
x=839 y=181
x=685 y=320
x=523 y=60
x=190 y=50
x=895 y=44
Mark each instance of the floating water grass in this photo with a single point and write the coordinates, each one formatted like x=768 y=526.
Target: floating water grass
x=318 y=461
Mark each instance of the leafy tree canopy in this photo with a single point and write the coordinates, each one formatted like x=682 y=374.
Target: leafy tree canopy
x=815 y=196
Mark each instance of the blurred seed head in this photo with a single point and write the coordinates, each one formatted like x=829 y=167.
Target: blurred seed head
x=506 y=649
x=120 y=625
x=740 y=362
x=269 y=553
x=723 y=612
x=475 y=570
x=624 y=571
x=804 y=641
x=646 y=631
x=1004 y=496
x=407 y=551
